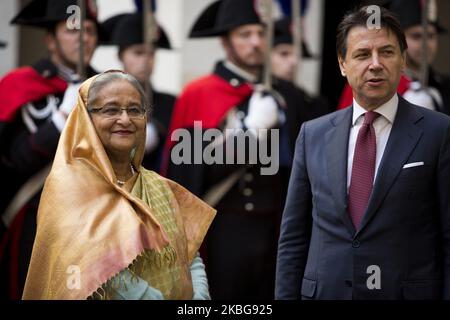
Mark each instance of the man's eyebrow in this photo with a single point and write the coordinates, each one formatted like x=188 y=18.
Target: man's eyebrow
x=388 y=46
x=365 y=49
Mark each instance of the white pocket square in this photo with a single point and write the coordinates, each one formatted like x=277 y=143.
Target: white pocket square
x=413 y=164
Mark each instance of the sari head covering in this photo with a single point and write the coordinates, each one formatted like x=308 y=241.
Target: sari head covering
x=89 y=228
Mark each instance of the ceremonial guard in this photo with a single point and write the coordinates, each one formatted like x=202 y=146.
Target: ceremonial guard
x=36 y=101
x=240 y=248
x=429 y=88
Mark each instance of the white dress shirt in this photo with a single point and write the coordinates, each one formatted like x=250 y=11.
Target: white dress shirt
x=382 y=126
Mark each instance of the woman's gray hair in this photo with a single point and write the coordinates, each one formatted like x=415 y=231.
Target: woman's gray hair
x=115 y=75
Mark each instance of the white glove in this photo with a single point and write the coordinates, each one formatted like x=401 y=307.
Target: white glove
x=262 y=112
x=152 y=137
x=419 y=96
x=70 y=98
x=234 y=119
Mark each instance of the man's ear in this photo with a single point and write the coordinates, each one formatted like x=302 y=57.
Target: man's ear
x=225 y=42
x=50 y=42
x=226 y=45
x=403 y=61
x=342 y=66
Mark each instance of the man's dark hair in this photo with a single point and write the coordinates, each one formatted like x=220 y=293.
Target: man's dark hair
x=359 y=17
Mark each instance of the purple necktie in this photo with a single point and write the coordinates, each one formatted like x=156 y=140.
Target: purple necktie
x=363 y=170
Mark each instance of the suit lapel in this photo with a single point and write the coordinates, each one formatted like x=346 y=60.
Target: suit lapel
x=336 y=153
x=403 y=138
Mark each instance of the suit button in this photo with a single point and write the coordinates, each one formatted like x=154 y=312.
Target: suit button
x=248 y=177
x=249 y=206
x=46 y=73
x=348 y=283
x=355 y=244
x=234 y=82
x=247 y=192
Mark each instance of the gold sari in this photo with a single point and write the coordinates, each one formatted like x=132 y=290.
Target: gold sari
x=89 y=228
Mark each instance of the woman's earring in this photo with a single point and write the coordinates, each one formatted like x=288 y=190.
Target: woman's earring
x=133 y=153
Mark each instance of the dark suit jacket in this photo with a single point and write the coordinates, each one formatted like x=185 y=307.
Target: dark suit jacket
x=406 y=228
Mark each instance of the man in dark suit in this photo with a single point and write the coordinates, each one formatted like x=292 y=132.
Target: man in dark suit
x=367 y=214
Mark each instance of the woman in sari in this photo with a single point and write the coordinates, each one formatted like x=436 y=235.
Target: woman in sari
x=107 y=227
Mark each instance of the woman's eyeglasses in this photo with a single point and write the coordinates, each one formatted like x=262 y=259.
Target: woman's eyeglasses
x=113 y=112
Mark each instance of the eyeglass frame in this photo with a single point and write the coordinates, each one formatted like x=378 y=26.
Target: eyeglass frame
x=122 y=109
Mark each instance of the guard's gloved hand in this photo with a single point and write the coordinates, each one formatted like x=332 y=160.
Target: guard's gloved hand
x=70 y=98
x=262 y=111
x=420 y=96
x=68 y=102
x=152 y=137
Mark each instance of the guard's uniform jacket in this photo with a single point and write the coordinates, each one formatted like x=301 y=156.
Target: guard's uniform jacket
x=28 y=141
x=162 y=108
x=241 y=243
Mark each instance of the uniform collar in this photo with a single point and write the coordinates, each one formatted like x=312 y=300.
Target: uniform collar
x=68 y=74
x=241 y=72
x=232 y=74
x=47 y=69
